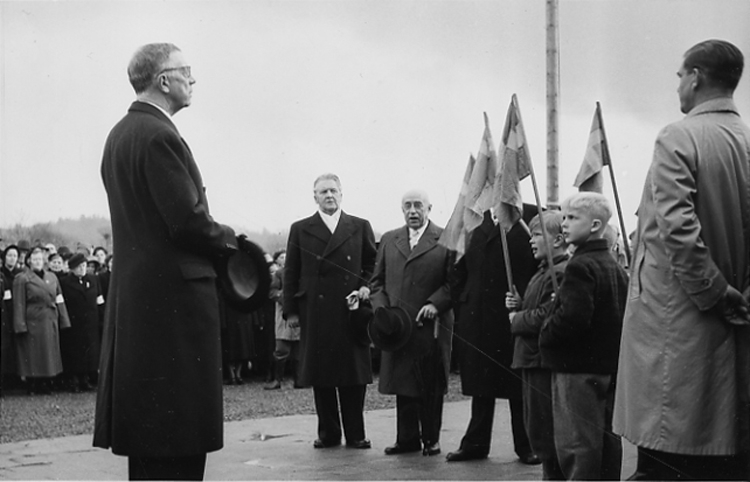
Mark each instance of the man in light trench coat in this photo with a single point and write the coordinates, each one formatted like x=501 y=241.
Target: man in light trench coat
x=681 y=388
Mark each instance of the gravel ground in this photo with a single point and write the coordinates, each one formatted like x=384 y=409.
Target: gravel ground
x=24 y=417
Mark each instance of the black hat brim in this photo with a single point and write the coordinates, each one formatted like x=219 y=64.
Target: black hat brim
x=244 y=277
x=384 y=342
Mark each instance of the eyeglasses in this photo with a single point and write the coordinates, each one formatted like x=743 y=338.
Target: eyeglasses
x=185 y=70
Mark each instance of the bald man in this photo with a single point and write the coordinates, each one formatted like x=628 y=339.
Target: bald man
x=412 y=272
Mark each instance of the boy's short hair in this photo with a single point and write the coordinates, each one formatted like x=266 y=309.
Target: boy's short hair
x=592 y=203
x=552 y=222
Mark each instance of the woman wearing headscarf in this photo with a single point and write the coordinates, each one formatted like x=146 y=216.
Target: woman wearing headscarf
x=38 y=314
x=80 y=344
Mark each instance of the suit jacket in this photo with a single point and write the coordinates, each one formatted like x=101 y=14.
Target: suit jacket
x=486 y=343
x=321 y=269
x=160 y=390
x=680 y=385
x=410 y=279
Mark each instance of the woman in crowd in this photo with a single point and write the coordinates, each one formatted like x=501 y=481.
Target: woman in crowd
x=80 y=344
x=55 y=264
x=101 y=254
x=8 y=272
x=38 y=314
x=287 y=338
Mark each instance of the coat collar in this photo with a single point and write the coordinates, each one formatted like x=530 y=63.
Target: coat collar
x=722 y=104
x=344 y=230
x=592 y=245
x=428 y=241
x=138 y=106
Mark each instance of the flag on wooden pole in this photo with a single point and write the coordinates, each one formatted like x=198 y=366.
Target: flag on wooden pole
x=454 y=235
x=515 y=166
x=597 y=156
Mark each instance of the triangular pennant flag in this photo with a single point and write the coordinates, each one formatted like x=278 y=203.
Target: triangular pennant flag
x=589 y=177
x=516 y=164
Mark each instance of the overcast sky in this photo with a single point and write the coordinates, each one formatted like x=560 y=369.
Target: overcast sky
x=387 y=94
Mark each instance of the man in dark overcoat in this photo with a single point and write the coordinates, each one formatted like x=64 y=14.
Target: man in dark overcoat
x=413 y=272
x=160 y=392
x=329 y=256
x=483 y=332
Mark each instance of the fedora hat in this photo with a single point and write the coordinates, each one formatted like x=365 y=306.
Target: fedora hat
x=390 y=328
x=244 y=277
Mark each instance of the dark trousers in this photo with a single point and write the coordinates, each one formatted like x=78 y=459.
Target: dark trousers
x=478 y=435
x=167 y=468
x=352 y=402
x=419 y=418
x=656 y=465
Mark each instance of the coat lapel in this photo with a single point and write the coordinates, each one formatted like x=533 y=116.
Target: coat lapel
x=427 y=242
x=344 y=230
x=316 y=227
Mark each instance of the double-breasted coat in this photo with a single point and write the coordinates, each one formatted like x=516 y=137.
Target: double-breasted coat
x=321 y=269
x=80 y=343
x=39 y=314
x=410 y=279
x=485 y=342
x=677 y=383
x=160 y=388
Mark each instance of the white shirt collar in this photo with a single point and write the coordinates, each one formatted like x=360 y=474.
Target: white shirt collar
x=416 y=234
x=158 y=107
x=331 y=220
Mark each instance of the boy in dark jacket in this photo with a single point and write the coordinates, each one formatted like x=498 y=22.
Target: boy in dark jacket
x=527 y=318
x=580 y=344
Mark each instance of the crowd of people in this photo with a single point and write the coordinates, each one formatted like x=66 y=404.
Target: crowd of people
x=544 y=313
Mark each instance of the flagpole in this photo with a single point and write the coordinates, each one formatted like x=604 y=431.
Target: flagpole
x=553 y=101
x=550 y=260
x=506 y=255
x=624 y=233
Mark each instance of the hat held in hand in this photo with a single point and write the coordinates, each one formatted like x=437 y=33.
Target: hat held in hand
x=390 y=328
x=244 y=277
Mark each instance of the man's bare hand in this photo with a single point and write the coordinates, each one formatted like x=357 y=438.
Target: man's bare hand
x=428 y=312
x=364 y=293
x=293 y=321
x=733 y=306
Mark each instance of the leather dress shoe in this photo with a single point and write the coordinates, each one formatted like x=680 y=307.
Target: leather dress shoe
x=359 y=444
x=431 y=449
x=324 y=444
x=530 y=459
x=461 y=454
x=397 y=448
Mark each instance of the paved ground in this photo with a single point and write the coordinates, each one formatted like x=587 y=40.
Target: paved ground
x=281 y=449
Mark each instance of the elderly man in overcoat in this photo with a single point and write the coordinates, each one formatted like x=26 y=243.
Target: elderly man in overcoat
x=329 y=256
x=483 y=329
x=160 y=391
x=413 y=272
x=680 y=393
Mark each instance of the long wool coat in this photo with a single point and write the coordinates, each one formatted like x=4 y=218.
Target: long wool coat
x=80 y=343
x=8 y=356
x=160 y=390
x=321 y=269
x=38 y=316
x=677 y=386
x=485 y=343
x=410 y=279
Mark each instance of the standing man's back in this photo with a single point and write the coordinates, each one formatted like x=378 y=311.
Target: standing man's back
x=160 y=393
x=679 y=389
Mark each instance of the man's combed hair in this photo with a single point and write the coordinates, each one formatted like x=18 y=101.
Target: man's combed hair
x=328 y=177
x=592 y=203
x=719 y=60
x=146 y=64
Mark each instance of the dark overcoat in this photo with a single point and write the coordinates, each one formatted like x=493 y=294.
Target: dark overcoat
x=321 y=269
x=8 y=357
x=38 y=316
x=484 y=341
x=160 y=390
x=410 y=279
x=80 y=343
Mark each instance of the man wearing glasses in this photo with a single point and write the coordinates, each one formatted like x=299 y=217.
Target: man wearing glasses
x=160 y=393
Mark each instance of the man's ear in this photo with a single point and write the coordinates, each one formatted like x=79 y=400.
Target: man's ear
x=163 y=83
